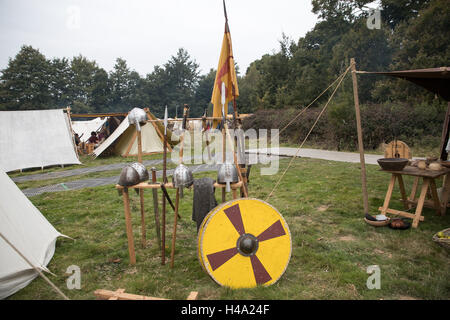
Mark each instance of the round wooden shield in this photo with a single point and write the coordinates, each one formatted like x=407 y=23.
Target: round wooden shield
x=244 y=243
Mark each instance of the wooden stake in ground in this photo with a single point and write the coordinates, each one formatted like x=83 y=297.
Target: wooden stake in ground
x=129 y=227
x=177 y=200
x=360 y=137
x=155 y=208
x=174 y=234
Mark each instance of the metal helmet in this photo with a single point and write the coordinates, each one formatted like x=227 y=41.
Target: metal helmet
x=141 y=170
x=227 y=174
x=182 y=177
x=138 y=117
x=128 y=177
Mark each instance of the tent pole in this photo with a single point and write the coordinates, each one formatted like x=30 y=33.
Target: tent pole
x=34 y=267
x=141 y=193
x=72 y=132
x=444 y=136
x=360 y=137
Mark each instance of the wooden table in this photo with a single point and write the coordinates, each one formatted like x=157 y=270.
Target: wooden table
x=428 y=183
x=145 y=185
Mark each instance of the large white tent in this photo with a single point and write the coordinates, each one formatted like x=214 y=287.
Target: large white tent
x=84 y=128
x=125 y=141
x=29 y=231
x=37 y=138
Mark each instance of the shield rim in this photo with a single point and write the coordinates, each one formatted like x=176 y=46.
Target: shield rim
x=205 y=222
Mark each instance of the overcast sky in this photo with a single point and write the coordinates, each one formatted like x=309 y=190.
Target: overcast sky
x=147 y=33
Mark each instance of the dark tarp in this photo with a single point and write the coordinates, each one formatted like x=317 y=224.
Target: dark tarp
x=436 y=80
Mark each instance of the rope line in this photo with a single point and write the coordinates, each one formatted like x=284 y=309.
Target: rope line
x=340 y=78
x=312 y=102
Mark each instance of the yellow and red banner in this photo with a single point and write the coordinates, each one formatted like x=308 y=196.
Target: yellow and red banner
x=226 y=73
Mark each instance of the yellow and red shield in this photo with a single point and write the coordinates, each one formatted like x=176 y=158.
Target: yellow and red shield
x=244 y=243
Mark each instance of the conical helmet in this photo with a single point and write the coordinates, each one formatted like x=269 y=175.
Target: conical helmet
x=128 y=177
x=138 y=117
x=182 y=177
x=141 y=170
x=227 y=174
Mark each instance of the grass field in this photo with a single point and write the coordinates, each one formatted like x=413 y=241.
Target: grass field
x=331 y=244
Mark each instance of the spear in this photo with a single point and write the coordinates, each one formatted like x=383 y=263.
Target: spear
x=163 y=235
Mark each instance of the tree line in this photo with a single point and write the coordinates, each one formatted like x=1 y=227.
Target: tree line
x=32 y=82
x=414 y=34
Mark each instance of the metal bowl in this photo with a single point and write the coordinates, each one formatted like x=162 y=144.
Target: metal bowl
x=392 y=164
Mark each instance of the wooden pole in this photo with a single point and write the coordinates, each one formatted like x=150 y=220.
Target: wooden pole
x=174 y=234
x=224 y=143
x=139 y=145
x=444 y=136
x=155 y=208
x=163 y=231
x=360 y=137
x=129 y=227
x=72 y=132
x=238 y=168
x=141 y=193
x=163 y=235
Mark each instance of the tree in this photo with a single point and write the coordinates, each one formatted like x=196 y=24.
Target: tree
x=120 y=85
x=25 y=83
x=100 y=92
x=203 y=91
x=423 y=41
x=60 y=77
x=397 y=11
x=182 y=76
x=82 y=83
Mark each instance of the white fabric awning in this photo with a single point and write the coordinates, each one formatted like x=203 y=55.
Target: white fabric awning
x=37 y=138
x=84 y=128
x=29 y=231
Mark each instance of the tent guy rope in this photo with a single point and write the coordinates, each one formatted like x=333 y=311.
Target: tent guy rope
x=340 y=78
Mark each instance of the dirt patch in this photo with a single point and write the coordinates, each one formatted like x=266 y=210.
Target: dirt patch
x=323 y=208
x=381 y=252
x=407 y=298
x=347 y=238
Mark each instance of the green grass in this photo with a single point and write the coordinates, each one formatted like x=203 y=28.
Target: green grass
x=331 y=244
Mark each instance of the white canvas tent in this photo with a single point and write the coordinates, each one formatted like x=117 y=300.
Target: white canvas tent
x=29 y=231
x=177 y=125
x=196 y=125
x=124 y=141
x=84 y=128
x=37 y=138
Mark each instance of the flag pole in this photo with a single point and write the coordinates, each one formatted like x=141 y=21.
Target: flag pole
x=237 y=122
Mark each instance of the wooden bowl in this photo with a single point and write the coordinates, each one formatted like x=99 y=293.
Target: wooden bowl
x=392 y=164
x=442 y=241
x=378 y=223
